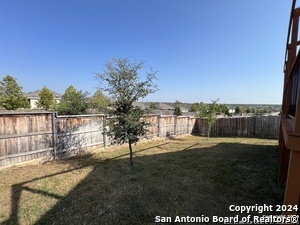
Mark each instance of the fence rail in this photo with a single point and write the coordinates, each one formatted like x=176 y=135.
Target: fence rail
x=34 y=135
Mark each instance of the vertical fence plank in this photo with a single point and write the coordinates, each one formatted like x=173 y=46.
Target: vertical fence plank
x=53 y=117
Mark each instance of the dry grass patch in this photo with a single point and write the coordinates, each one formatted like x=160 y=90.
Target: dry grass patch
x=188 y=176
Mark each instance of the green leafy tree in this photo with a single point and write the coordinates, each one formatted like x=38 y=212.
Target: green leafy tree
x=46 y=100
x=177 y=109
x=224 y=109
x=202 y=110
x=73 y=102
x=248 y=110
x=11 y=95
x=237 y=110
x=265 y=110
x=243 y=109
x=122 y=82
x=254 y=110
x=195 y=107
x=98 y=101
x=211 y=115
x=218 y=109
x=153 y=106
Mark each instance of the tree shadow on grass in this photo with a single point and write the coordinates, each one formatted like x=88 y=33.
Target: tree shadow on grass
x=76 y=162
x=193 y=182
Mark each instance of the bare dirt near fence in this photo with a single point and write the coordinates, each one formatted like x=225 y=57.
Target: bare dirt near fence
x=188 y=176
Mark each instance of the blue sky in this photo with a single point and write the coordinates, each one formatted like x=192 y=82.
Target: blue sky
x=203 y=49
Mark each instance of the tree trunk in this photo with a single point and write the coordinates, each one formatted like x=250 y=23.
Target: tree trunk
x=208 y=131
x=130 y=148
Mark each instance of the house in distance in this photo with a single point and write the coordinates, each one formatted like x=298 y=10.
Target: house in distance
x=34 y=96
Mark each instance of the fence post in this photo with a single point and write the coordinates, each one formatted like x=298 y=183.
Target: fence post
x=54 y=133
x=175 y=125
x=158 y=125
x=104 y=131
x=188 y=125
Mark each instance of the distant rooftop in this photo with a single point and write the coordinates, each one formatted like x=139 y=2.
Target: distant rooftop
x=163 y=106
x=139 y=104
x=36 y=94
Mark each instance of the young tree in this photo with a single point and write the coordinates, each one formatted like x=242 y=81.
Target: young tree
x=99 y=101
x=121 y=81
x=46 y=100
x=73 y=102
x=211 y=116
x=11 y=95
x=177 y=109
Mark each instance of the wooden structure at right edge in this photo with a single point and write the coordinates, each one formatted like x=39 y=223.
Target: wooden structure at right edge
x=289 y=136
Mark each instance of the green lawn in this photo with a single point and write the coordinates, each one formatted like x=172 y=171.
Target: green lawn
x=187 y=176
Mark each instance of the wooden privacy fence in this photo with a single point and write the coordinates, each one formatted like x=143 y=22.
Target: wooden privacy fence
x=76 y=133
x=259 y=127
x=26 y=136
x=167 y=126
